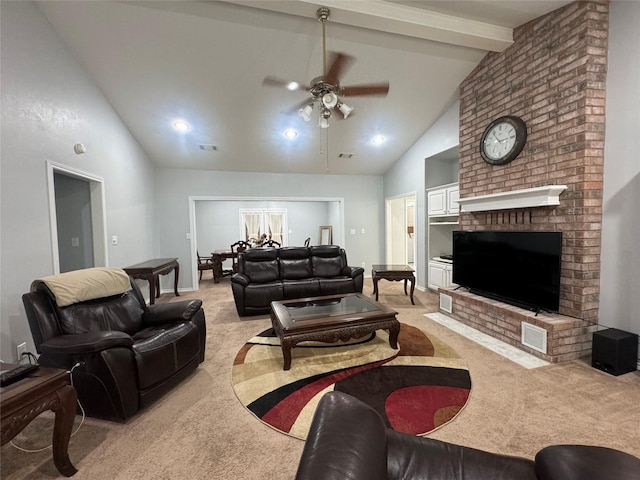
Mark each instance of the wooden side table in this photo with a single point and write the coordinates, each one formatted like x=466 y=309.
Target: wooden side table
x=44 y=389
x=151 y=271
x=393 y=273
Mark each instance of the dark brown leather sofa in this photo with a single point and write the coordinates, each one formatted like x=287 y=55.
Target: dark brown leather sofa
x=349 y=440
x=122 y=353
x=270 y=274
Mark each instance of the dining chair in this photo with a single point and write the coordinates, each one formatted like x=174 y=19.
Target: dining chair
x=237 y=248
x=271 y=243
x=204 y=263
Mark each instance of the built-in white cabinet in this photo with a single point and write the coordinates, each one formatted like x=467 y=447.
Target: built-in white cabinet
x=439 y=274
x=442 y=220
x=443 y=201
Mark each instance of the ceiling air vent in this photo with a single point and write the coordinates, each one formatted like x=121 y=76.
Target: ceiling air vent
x=208 y=147
x=534 y=337
x=345 y=155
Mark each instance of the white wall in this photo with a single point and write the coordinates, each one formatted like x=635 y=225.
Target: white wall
x=49 y=104
x=362 y=196
x=620 y=264
x=408 y=175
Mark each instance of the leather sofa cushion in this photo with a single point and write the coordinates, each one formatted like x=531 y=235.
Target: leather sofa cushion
x=577 y=462
x=262 y=272
x=334 y=286
x=119 y=312
x=301 y=288
x=295 y=263
x=262 y=294
x=418 y=457
x=260 y=264
x=327 y=261
x=165 y=352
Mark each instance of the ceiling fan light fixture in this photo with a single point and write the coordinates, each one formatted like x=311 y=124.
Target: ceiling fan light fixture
x=323 y=120
x=330 y=100
x=345 y=109
x=305 y=112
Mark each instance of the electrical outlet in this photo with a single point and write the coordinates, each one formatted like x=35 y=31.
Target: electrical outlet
x=20 y=349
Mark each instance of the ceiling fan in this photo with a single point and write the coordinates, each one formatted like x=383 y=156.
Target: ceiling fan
x=326 y=91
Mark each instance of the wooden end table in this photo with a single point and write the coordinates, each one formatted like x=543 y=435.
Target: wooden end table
x=151 y=271
x=329 y=319
x=43 y=389
x=393 y=273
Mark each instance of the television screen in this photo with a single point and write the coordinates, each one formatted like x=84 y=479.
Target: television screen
x=519 y=268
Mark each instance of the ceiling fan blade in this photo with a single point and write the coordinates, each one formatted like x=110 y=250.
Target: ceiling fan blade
x=338 y=65
x=288 y=84
x=363 y=90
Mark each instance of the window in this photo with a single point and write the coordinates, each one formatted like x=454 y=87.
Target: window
x=257 y=222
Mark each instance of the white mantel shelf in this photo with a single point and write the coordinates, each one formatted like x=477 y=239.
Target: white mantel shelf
x=549 y=195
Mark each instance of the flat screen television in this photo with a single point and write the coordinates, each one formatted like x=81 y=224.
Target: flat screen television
x=519 y=268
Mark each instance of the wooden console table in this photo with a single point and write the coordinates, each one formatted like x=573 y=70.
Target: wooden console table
x=151 y=271
x=44 y=389
x=393 y=273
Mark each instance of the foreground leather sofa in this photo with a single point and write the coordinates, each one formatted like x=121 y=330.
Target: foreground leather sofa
x=122 y=353
x=270 y=274
x=349 y=440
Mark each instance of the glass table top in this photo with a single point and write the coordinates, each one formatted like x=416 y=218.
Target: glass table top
x=332 y=307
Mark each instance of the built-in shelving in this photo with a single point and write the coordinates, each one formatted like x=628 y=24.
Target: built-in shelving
x=443 y=223
x=442 y=218
x=548 y=195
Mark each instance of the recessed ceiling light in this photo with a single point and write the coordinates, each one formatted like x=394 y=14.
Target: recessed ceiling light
x=181 y=126
x=291 y=133
x=377 y=140
x=293 y=86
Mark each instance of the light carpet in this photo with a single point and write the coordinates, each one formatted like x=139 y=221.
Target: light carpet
x=199 y=430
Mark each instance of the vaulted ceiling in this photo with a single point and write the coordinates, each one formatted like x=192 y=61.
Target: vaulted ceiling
x=205 y=61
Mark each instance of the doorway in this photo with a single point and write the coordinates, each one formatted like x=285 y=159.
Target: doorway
x=400 y=223
x=78 y=227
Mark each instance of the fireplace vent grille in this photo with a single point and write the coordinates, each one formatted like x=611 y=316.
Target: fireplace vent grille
x=534 y=337
x=446 y=303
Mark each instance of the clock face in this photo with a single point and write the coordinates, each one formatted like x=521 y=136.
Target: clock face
x=503 y=140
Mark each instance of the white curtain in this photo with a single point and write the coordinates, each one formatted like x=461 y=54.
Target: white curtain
x=252 y=223
x=275 y=222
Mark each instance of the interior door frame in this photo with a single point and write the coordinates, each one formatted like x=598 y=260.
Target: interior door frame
x=198 y=198
x=388 y=226
x=98 y=213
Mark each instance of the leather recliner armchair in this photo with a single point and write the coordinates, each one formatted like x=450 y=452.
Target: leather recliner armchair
x=348 y=439
x=122 y=354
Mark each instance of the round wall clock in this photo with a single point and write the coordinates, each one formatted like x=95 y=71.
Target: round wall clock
x=503 y=140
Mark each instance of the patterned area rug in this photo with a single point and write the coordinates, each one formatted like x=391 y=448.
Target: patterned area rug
x=415 y=389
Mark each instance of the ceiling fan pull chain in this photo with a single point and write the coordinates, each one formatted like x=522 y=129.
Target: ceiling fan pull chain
x=327 y=150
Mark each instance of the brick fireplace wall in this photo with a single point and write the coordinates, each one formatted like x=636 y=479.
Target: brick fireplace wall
x=553 y=77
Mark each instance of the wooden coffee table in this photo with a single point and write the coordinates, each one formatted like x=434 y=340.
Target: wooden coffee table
x=43 y=389
x=393 y=273
x=329 y=319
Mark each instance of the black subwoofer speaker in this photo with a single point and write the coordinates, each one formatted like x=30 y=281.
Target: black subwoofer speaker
x=614 y=351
